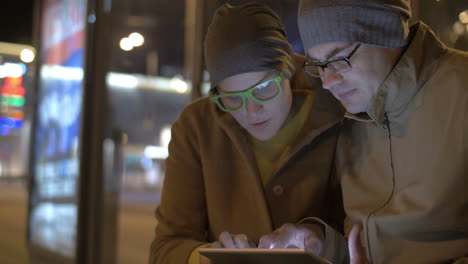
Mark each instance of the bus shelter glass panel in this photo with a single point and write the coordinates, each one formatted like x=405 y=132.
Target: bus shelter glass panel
x=54 y=198
x=148 y=87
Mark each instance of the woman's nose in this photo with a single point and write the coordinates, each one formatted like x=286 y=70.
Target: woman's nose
x=252 y=107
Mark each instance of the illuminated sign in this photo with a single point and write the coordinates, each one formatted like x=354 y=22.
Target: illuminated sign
x=13 y=70
x=12 y=103
x=54 y=210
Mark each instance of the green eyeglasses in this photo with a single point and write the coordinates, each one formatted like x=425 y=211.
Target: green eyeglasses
x=263 y=92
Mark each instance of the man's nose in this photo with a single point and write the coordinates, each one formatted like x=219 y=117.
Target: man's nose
x=330 y=79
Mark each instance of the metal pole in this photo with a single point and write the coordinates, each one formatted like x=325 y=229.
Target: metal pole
x=194 y=35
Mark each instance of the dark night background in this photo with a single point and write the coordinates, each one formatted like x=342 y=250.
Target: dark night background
x=16 y=21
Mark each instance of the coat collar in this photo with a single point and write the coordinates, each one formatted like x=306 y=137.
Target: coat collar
x=325 y=113
x=400 y=87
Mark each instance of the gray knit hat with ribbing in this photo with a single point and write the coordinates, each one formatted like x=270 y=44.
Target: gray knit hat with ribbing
x=246 y=38
x=382 y=23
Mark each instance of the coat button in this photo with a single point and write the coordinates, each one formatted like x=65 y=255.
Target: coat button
x=278 y=190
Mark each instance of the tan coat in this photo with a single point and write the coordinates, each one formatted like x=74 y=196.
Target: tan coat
x=408 y=183
x=213 y=185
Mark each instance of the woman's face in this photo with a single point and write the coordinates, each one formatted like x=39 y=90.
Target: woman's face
x=261 y=120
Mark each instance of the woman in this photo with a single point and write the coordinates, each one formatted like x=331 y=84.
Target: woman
x=254 y=156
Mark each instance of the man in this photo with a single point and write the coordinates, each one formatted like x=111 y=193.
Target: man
x=403 y=149
x=257 y=155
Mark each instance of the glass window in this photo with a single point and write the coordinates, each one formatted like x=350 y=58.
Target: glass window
x=57 y=140
x=149 y=85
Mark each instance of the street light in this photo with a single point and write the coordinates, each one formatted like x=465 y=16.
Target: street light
x=136 y=39
x=27 y=55
x=463 y=16
x=126 y=44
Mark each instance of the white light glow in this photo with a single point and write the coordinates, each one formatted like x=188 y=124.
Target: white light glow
x=13 y=70
x=136 y=39
x=463 y=16
x=458 y=28
x=205 y=87
x=138 y=81
x=120 y=80
x=62 y=73
x=27 y=55
x=165 y=136
x=156 y=152
x=179 y=85
x=126 y=44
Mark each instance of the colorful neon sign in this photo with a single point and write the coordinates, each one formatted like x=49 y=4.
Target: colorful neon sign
x=12 y=103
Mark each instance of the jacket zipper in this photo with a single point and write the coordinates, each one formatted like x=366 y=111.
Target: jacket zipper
x=387 y=123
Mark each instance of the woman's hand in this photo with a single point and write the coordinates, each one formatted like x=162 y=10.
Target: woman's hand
x=228 y=240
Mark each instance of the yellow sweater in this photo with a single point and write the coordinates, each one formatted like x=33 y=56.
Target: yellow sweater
x=268 y=153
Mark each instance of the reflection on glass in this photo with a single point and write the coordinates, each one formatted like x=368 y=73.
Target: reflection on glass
x=152 y=104
x=57 y=225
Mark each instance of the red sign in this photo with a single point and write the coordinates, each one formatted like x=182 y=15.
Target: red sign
x=13 y=87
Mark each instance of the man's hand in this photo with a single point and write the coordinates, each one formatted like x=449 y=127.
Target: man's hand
x=356 y=251
x=310 y=237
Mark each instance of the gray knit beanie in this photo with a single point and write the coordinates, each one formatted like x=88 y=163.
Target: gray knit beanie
x=382 y=23
x=246 y=38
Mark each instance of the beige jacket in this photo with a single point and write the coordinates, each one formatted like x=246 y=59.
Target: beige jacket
x=213 y=185
x=407 y=183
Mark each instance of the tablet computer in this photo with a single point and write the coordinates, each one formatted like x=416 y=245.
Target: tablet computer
x=261 y=256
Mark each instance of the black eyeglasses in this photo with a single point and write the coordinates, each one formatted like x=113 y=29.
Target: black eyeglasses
x=339 y=65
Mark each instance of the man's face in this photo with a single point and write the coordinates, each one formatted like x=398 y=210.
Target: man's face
x=357 y=87
x=261 y=120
